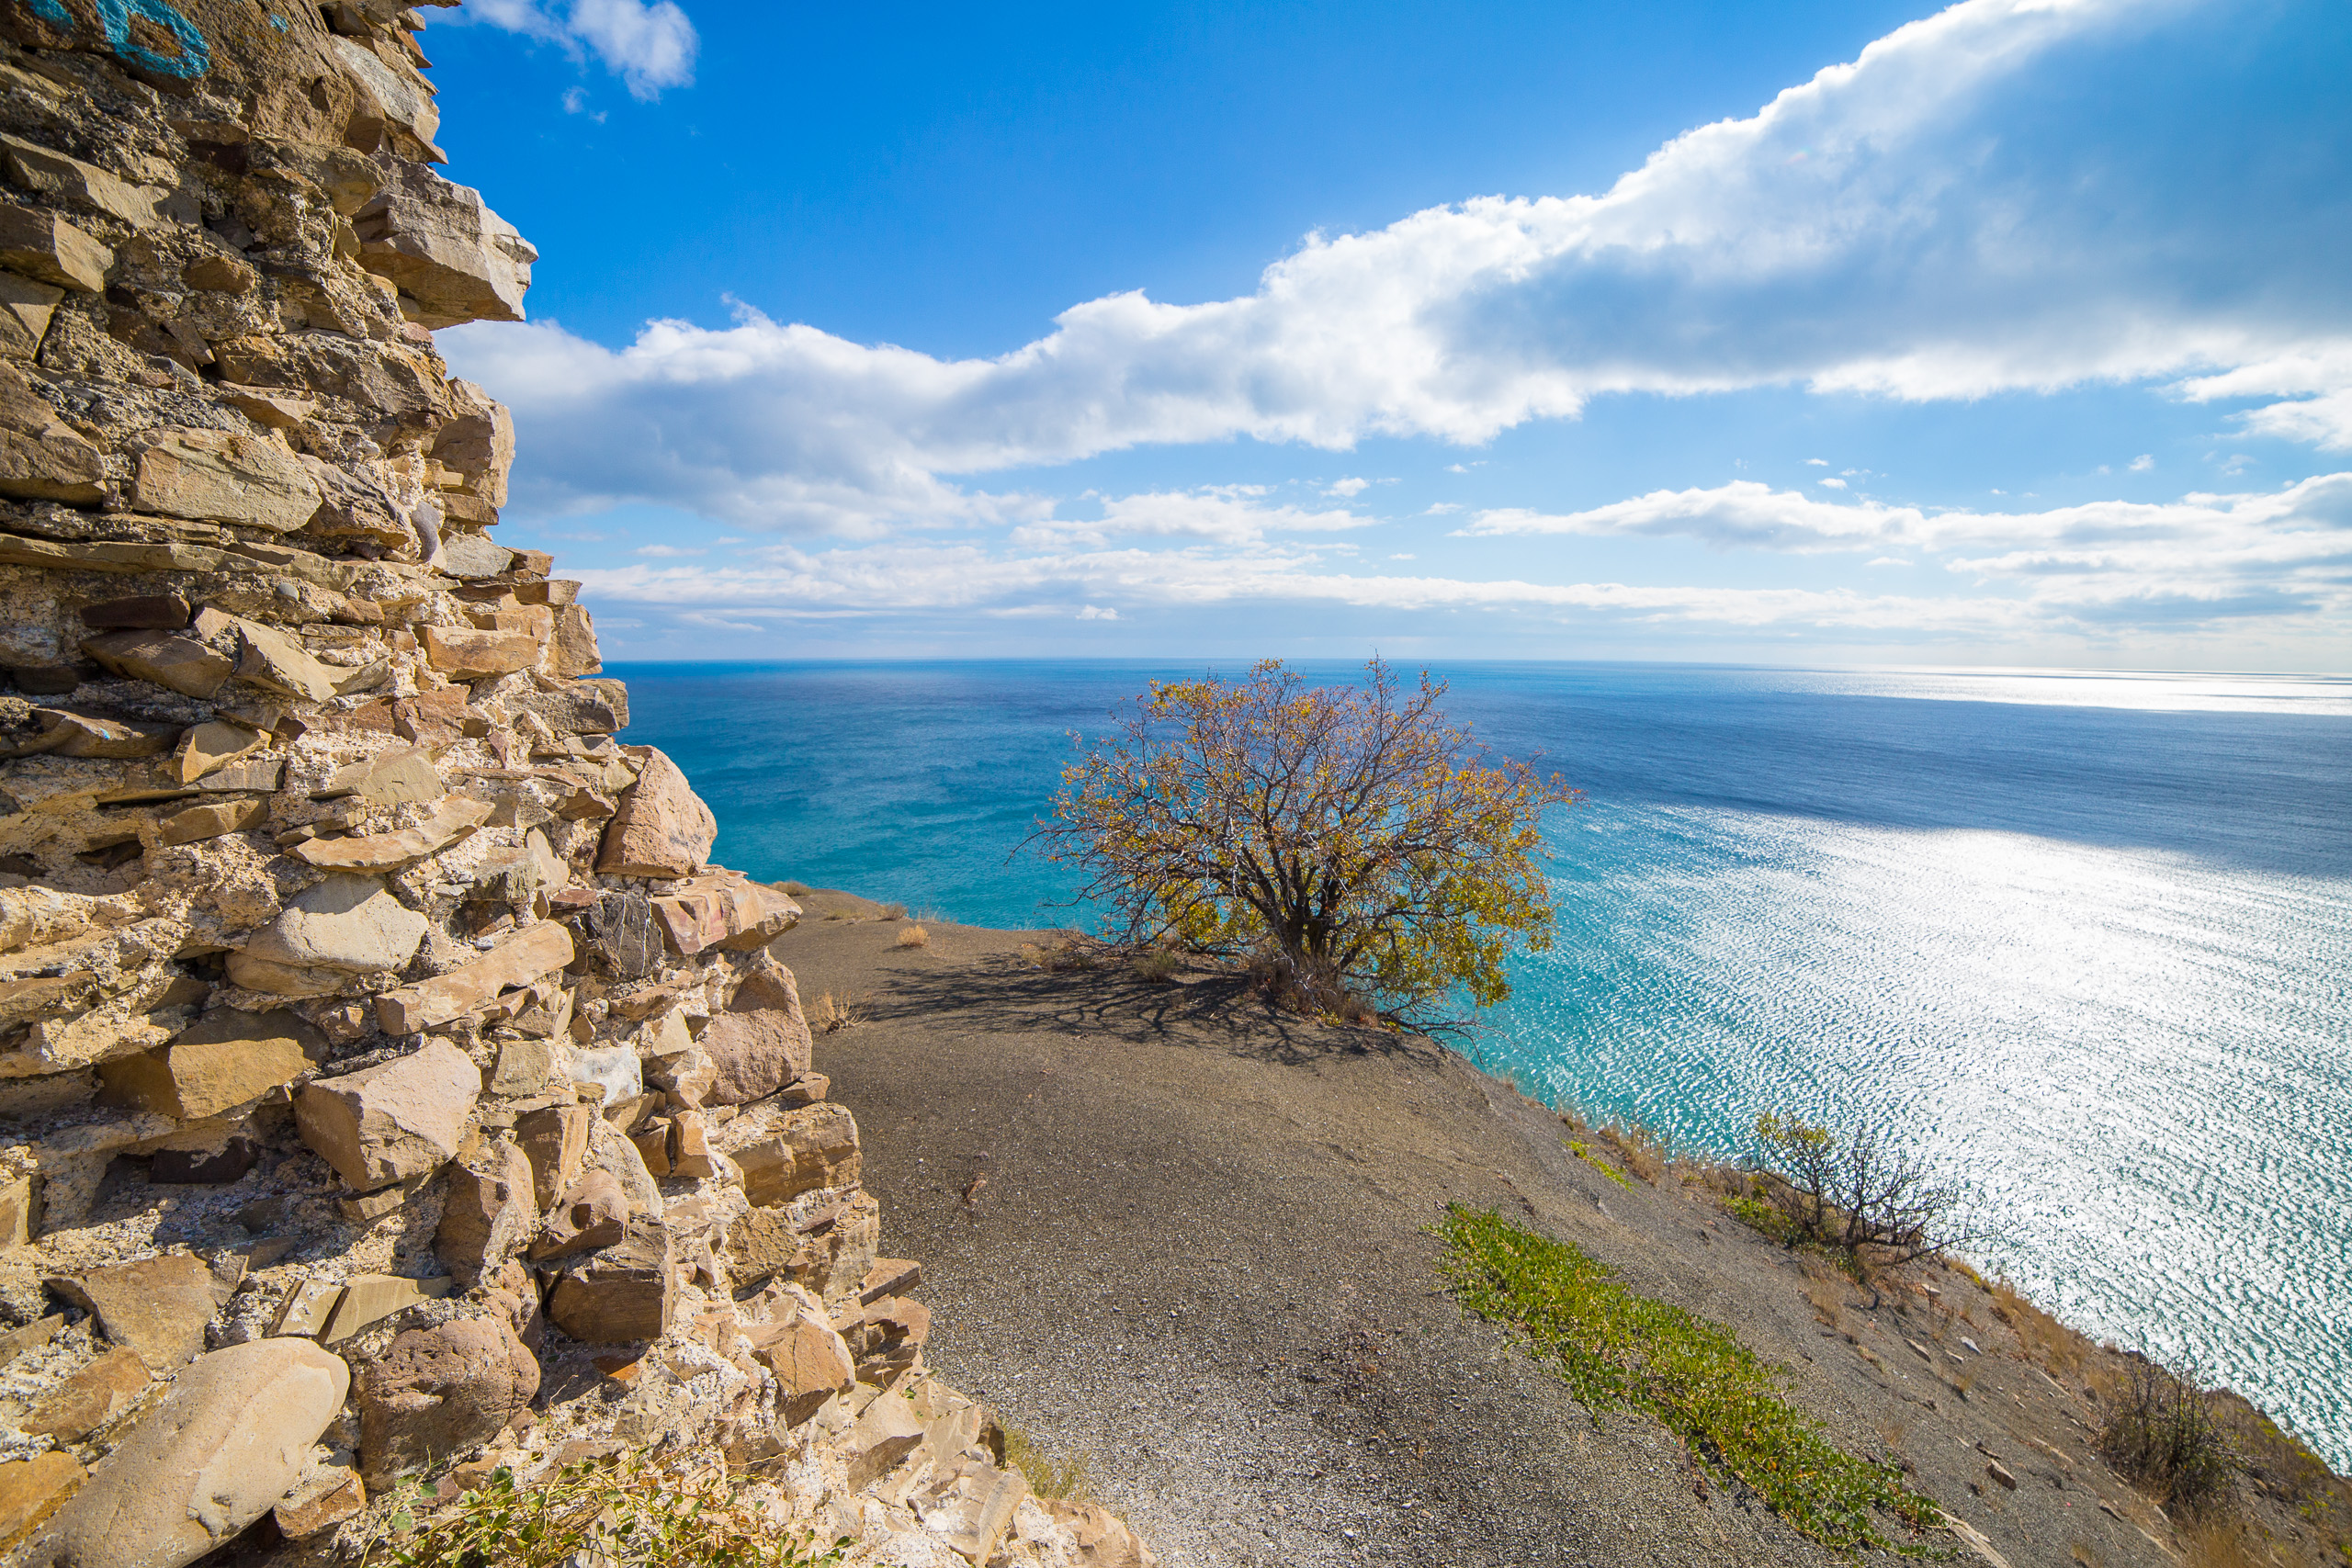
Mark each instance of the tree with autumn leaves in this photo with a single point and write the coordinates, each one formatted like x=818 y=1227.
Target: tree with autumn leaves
x=1349 y=839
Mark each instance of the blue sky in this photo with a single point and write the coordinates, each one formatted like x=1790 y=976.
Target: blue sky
x=2013 y=333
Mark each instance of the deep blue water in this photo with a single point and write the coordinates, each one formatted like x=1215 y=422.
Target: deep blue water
x=2087 y=941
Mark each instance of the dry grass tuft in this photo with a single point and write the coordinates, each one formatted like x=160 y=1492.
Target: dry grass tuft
x=829 y=1012
x=892 y=912
x=1069 y=955
x=1048 y=1477
x=914 y=936
x=2042 y=1336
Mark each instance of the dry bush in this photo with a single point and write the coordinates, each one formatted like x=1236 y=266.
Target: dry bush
x=2161 y=1432
x=892 y=912
x=1859 y=1196
x=914 y=936
x=1639 y=1146
x=2217 y=1543
x=793 y=889
x=1065 y=955
x=2042 y=1336
x=829 y=1012
x=1157 y=967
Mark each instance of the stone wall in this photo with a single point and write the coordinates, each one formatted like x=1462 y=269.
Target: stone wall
x=389 y=1088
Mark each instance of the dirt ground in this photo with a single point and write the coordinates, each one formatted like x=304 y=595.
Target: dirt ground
x=1183 y=1240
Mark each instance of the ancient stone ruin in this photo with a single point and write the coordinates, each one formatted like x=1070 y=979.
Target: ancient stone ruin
x=390 y=1089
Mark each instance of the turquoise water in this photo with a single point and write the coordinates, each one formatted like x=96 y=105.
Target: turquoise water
x=2085 y=941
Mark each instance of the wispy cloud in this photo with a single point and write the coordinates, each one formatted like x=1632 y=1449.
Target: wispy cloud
x=649 y=46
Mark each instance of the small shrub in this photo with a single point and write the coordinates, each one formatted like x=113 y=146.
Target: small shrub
x=1065 y=955
x=622 y=1512
x=892 y=912
x=829 y=1012
x=2043 y=1338
x=1858 y=1197
x=1614 y=1348
x=914 y=936
x=794 y=889
x=1048 y=1477
x=2163 y=1434
x=1157 y=967
x=1641 y=1149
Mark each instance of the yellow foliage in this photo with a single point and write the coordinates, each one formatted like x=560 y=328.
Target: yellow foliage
x=1351 y=835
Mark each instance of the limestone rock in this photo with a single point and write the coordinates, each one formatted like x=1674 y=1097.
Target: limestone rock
x=662 y=829
x=801 y=1151
x=58 y=176
x=231 y=1438
x=276 y=662
x=89 y=1398
x=474 y=556
x=464 y=654
x=517 y=960
x=33 y=1489
x=452 y=257
x=554 y=1139
x=968 y=1503
x=389 y=778
x=40 y=458
x=827 y=1250
x=332 y=1494
x=43 y=245
x=217 y=476
x=591 y=1216
x=886 y=1432
x=180 y=663
x=26 y=307
x=211 y=820
x=440 y=1391
x=385 y=1124
x=222 y=1061
x=615 y=1070
x=761 y=1041
x=1104 y=1538
x=489 y=1212
x=574 y=643
x=456 y=816
x=622 y=1293
x=344 y=928
x=158 y=1307
x=71 y=733
x=209 y=747
x=371 y=1297
x=808 y=1358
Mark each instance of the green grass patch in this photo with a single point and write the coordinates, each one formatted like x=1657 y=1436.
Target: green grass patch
x=1616 y=1349
x=1584 y=1152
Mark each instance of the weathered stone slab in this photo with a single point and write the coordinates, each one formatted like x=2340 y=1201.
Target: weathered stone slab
x=464 y=654
x=761 y=1041
x=207 y=747
x=26 y=311
x=333 y=1492
x=277 y=662
x=554 y=1139
x=590 y=1216
x=177 y=663
x=43 y=245
x=389 y=778
x=89 y=1398
x=489 y=1212
x=455 y=819
x=223 y=1060
x=158 y=1307
x=454 y=257
x=626 y=935
x=575 y=652
x=622 y=1293
x=342 y=929
x=519 y=960
x=470 y=555
x=211 y=820
x=809 y=1148
x=382 y=1125
x=219 y=476
x=140 y=611
x=663 y=828
x=31 y=1490
x=41 y=458
x=808 y=1358
x=54 y=175
x=371 y=1297
x=231 y=1438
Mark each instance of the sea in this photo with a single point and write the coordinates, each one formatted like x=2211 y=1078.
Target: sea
x=2081 y=939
